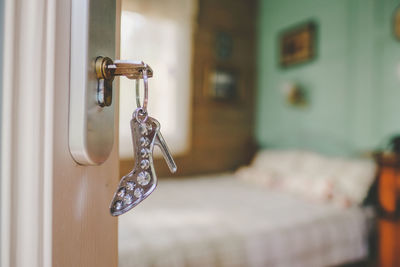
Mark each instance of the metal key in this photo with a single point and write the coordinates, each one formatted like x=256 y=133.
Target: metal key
x=107 y=69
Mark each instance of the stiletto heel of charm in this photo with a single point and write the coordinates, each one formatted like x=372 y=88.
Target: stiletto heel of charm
x=142 y=180
x=160 y=142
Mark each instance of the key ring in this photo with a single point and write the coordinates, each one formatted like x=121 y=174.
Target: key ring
x=140 y=113
x=146 y=90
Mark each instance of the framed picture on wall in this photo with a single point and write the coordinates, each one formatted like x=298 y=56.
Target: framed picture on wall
x=222 y=84
x=223 y=45
x=396 y=23
x=297 y=44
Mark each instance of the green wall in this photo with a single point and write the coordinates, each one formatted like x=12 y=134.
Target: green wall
x=353 y=85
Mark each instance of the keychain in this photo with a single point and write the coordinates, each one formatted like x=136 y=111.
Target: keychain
x=142 y=180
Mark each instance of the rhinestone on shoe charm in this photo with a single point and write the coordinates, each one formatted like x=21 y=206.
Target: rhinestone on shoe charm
x=142 y=180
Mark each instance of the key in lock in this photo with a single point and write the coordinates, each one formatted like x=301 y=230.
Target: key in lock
x=107 y=69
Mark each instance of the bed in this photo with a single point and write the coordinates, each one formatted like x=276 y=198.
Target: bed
x=237 y=220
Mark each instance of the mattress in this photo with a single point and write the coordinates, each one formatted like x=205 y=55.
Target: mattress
x=223 y=221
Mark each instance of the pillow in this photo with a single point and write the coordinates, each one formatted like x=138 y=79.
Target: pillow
x=283 y=163
x=263 y=178
x=342 y=181
x=353 y=179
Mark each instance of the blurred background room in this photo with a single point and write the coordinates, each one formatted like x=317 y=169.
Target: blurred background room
x=282 y=117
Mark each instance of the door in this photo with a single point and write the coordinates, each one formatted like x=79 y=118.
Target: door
x=54 y=212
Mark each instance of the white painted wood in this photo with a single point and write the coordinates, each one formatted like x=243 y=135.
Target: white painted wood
x=54 y=212
x=26 y=133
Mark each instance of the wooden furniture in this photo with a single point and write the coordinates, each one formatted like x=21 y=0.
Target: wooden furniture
x=388 y=183
x=389 y=209
x=388 y=242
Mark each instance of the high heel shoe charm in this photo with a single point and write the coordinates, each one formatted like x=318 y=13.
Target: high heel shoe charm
x=142 y=180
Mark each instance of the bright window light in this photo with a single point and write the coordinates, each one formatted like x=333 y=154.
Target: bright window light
x=165 y=43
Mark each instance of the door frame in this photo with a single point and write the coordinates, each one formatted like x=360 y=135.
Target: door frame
x=53 y=211
x=26 y=132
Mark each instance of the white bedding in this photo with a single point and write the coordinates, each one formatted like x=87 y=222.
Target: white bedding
x=223 y=221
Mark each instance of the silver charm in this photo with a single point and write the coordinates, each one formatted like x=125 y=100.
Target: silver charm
x=142 y=180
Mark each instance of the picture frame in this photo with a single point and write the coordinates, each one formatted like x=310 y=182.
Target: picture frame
x=223 y=84
x=297 y=44
x=223 y=45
